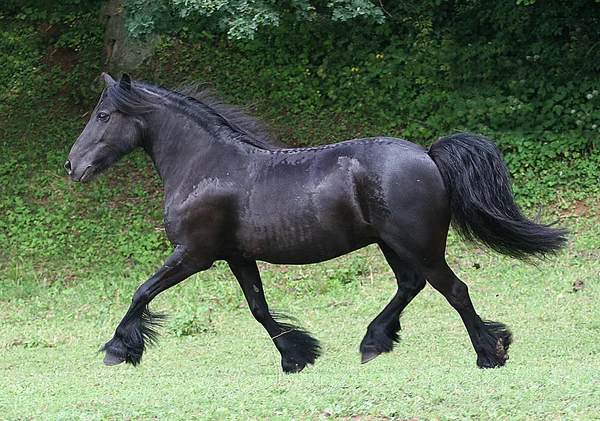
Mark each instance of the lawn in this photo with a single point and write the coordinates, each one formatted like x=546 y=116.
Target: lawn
x=214 y=361
x=72 y=255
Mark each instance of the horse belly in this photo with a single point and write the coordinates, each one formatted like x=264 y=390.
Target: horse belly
x=297 y=234
x=306 y=252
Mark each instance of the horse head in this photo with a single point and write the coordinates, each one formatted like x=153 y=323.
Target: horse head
x=112 y=132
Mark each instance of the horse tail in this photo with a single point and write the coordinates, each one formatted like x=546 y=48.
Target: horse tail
x=481 y=201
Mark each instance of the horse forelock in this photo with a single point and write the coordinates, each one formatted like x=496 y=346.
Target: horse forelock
x=143 y=98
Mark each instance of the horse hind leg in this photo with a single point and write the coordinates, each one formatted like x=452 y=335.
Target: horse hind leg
x=382 y=332
x=296 y=346
x=490 y=339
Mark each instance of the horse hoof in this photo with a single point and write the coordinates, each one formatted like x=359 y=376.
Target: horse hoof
x=293 y=368
x=368 y=356
x=112 y=359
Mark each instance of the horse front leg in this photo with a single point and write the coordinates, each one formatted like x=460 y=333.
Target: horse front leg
x=296 y=346
x=136 y=330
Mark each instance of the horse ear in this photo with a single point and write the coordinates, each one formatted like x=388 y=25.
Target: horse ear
x=108 y=80
x=125 y=82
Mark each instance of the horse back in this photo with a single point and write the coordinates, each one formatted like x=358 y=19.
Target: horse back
x=312 y=204
x=318 y=203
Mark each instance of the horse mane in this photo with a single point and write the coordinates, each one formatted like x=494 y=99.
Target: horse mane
x=142 y=97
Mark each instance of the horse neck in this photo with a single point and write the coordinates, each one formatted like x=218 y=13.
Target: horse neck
x=176 y=142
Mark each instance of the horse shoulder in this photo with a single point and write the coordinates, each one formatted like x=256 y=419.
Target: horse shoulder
x=202 y=214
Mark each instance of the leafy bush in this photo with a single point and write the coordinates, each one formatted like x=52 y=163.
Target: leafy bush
x=417 y=76
x=525 y=75
x=240 y=19
x=18 y=62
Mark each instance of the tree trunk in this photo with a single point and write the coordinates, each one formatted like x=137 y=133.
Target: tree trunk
x=122 y=54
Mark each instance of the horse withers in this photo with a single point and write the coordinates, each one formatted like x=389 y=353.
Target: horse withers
x=231 y=194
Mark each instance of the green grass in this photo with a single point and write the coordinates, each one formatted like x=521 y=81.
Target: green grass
x=225 y=367
x=71 y=257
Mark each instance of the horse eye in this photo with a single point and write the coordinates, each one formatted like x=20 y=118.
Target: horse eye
x=102 y=116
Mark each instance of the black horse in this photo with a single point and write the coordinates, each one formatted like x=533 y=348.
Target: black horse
x=231 y=195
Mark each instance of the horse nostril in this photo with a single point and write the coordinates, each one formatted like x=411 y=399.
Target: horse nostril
x=68 y=168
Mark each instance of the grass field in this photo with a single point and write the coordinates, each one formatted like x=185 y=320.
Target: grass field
x=215 y=362
x=71 y=257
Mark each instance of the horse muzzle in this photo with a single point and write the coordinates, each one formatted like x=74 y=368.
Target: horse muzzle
x=80 y=176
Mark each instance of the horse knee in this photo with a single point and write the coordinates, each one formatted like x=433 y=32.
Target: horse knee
x=140 y=296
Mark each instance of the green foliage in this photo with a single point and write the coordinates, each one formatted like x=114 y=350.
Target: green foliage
x=72 y=23
x=414 y=76
x=47 y=50
x=18 y=61
x=45 y=218
x=239 y=19
x=526 y=76
x=71 y=256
